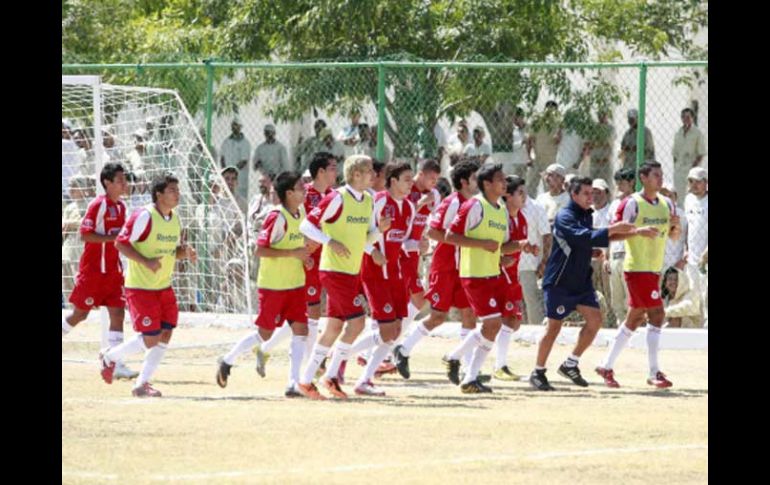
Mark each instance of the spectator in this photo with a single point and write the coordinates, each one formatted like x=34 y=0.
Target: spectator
x=675 y=250
x=373 y=144
x=572 y=148
x=364 y=145
x=522 y=144
x=270 y=156
x=307 y=148
x=112 y=150
x=80 y=193
x=545 y=142
x=136 y=155
x=628 y=143
x=681 y=297
x=85 y=153
x=69 y=159
x=478 y=151
x=555 y=197
x=329 y=144
x=460 y=140
x=531 y=267
x=696 y=209
x=600 y=166
x=624 y=183
x=601 y=193
x=601 y=219
x=235 y=151
x=687 y=152
x=138 y=190
x=350 y=135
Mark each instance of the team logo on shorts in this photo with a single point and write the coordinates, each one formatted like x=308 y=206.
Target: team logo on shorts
x=387 y=308
x=492 y=303
x=509 y=305
x=357 y=301
x=435 y=297
x=89 y=301
x=146 y=321
x=655 y=295
x=312 y=291
x=560 y=310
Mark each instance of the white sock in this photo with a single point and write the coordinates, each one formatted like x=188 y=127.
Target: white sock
x=572 y=361
x=468 y=354
x=126 y=348
x=368 y=341
x=653 y=343
x=411 y=312
x=312 y=336
x=314 y=362
x=341 y=352
x=621 y=339
x=115 y=338
x=279 y=335
x=418 y=332
x=296 y=353
x=65 y=327
x=152 y=359
x=245 y=344
x=468 y=345
x=503 y=341
x=479 y=356
x=378 y=356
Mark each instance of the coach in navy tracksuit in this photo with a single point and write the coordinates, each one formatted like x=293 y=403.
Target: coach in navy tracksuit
x=567 y=281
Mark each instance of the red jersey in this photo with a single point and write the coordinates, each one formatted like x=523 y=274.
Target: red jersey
x=106 y=218
x=402 y=216
x=446 y=257
x=421 y=218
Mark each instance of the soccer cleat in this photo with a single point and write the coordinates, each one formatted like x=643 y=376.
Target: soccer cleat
x=474 y=387
x=262 y=358
x=361 y=361
x=539 y=381
x=573 y=374
x=453 y=370
x=505 y=374
x=123 y=372
x=660 y=381
x=145 y=390
x=310 y=391
x=321 y=369
x=608 y=375
x=402 y=362
x=292 y=392
x=483 y=377
x=369 y=389
x=333 y=386
x=385 y=368
x=223 y=372
x=105 y=368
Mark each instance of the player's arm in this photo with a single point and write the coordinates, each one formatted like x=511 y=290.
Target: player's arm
x=273 y=231
x=92 y=237
x=90 y=222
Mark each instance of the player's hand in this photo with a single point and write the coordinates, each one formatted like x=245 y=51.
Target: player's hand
x=540 y=271
x=489 y=245
x=339 y=249
x=675 y=222
x=153 y=264
x=647 y=231
x=309 y=263
x=424 y=246
x=378 y=258
x=300 y=253
x=507 y=261
x=311 y=245
x=426 y=199
x=191 y=254
x=384 y=224
x=622 y=227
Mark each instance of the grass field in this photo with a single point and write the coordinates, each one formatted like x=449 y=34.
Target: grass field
x=423 y=431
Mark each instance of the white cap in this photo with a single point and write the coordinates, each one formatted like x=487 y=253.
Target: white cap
x=698 y=173
x=557 y=169
x=600 y=184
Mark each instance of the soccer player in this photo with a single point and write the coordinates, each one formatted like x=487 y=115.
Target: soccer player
x=151 y=242
x=343 y=223
x=655 y=219
x=100 y=275
x=281 y=280
x=384 y=285
x=444 y=288
x=567 y=284
x=481 y=230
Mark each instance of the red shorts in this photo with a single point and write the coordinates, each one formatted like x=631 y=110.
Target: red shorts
x=98 y=289
x=312 y=287
x=488 y=297
x=275 y=306
x=643 y=290
x=342 y=295
x=409 y=272
x=446 y=291
x=150 y=308
x=388 y=299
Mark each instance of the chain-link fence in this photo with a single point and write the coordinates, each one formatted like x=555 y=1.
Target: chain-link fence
x=593 y=119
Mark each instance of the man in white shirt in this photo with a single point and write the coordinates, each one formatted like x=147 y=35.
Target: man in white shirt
x=624 y=183
x=235 y=151
x=696 y=209
x=522 y=144
x=350 y=136
x=688 y=150
x=555 y=197
x=674 y=249
x=531 y=267
x=269 y=157
x=478 y=150
x=601 y=219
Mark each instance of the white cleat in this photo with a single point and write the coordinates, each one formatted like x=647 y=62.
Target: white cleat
x=123 y=372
